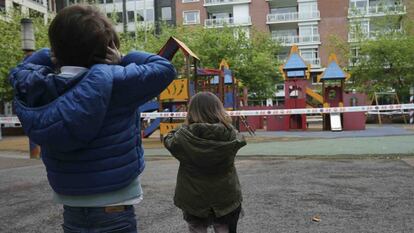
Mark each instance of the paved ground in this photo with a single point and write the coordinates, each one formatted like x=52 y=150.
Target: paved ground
x=282 y=192
x=281 y=195
x=339 y=147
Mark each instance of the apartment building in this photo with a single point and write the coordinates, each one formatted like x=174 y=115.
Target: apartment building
x=310 y=24
x=363 y=18
x=218 y=13
x=296 y=22
x=139 y=13
x=31 y=8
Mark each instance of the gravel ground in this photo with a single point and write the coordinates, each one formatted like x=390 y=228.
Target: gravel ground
x=280 y=195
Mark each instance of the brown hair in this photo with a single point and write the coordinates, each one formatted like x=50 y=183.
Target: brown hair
x=205 y=107
x=79 y=34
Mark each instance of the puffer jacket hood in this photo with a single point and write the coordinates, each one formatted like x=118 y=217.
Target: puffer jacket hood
x=51 y=107
x=209 y=145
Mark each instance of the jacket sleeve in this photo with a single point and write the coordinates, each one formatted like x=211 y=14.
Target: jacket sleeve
x=241 y=141
x=41 y=57
x=171 y=143
x=141 y=77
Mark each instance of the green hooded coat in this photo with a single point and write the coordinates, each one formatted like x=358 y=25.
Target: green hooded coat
x=207 y=181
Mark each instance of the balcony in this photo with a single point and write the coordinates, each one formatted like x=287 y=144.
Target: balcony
x=315 y=62
x=292 y=17
x=230 y=22
x=377 y=11
x=373 y=35
x=224 y=2
x=298 y=40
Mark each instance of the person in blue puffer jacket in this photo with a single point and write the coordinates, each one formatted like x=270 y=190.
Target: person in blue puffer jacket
x=83 y=115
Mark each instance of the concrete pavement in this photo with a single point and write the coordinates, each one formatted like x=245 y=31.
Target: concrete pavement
x=338 y=147
x=280 y=195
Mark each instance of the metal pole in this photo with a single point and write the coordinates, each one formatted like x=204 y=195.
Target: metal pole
x=145 y=21
x=28 y=47
x=124 y=16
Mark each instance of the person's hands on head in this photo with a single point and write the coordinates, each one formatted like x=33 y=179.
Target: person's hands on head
x=113 y=56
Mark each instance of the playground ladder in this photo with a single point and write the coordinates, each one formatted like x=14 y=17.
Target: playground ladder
x=246 y=124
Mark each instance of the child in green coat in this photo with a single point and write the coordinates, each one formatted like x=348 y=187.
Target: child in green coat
x=208 y=188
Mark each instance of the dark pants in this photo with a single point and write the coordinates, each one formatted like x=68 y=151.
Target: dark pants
x=117 y=219
x=229 y=221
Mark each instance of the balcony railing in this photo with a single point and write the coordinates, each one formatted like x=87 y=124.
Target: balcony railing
x=315 y=62
x=221 y=22
x=293 y=17
x=299 y=40
x=224 y=2
x=373 y=35
x=377 y=10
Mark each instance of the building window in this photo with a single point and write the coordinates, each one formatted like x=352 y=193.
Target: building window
x=166 y=13
x=140 y=15
x=311 y=56
x=191 y=17
x=187 y=1
x=118 y=18
x=149 y=16
x=131 y=17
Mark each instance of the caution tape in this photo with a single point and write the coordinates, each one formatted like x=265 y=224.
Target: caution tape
x=273 y=112
x=374 y=109
x=9 y=120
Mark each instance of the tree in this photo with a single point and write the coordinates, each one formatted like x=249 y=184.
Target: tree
x=10 y=46
x=381 y=59
x=253 y=59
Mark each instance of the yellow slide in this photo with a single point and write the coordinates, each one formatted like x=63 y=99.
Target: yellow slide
x=314 y=95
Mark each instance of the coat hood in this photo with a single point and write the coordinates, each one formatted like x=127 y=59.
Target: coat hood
x=59 y=112
x=209 y=147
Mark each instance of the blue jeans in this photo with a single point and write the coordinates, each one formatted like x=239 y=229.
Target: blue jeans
x=99 y=219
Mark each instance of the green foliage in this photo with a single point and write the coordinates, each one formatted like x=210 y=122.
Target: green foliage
x=386 y=63
x=384 y=56
x=253 y=60
x=10 y=46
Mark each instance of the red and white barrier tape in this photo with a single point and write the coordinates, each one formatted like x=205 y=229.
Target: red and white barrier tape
x=272 y=112
x=9 y=120
x=269 y=112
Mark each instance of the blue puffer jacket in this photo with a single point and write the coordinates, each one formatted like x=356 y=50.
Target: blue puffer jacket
x=87 y=125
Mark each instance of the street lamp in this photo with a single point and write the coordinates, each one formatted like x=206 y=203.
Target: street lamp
x=27 y=36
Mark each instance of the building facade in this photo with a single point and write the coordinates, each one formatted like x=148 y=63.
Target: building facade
x=31 y=8
x=310 y=24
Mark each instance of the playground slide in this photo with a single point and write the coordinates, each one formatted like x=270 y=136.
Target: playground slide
x=336 y=122
x=314 y=95
x=152 y=127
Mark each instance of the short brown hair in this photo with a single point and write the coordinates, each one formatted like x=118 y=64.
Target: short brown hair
x=80 y=33
x=205 y=107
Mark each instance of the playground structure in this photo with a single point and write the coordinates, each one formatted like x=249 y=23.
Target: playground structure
x=299 y=95
x=176 y=96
